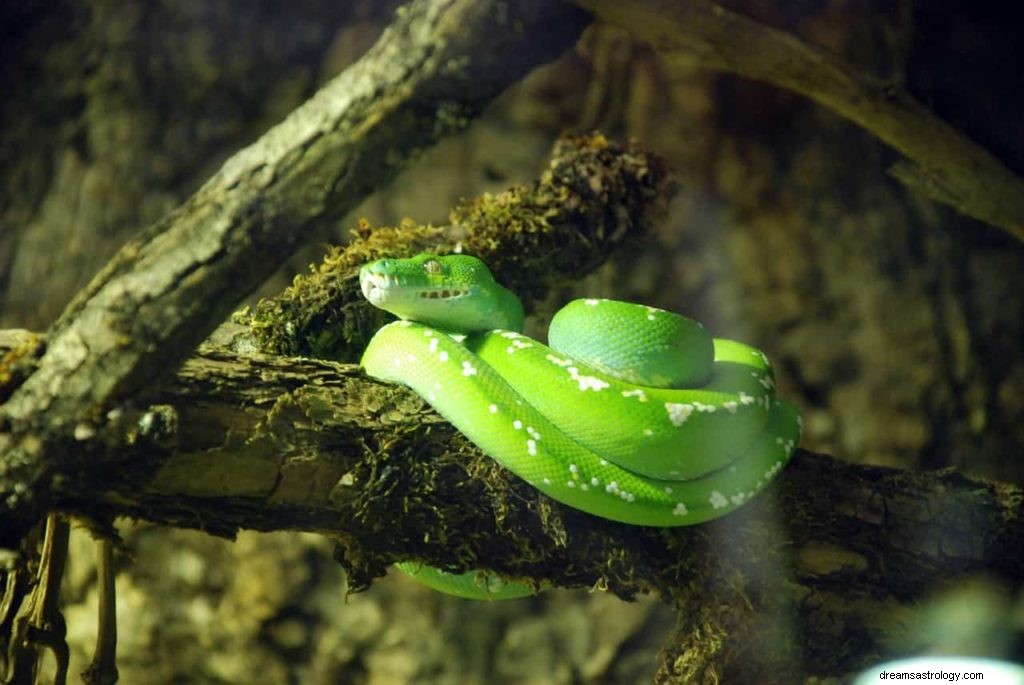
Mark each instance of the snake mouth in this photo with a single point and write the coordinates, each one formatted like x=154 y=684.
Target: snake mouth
x=379 y=288
x=374 y=287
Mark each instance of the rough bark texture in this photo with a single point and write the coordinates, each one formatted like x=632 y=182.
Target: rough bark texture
x=316 y=446
x=163 y=292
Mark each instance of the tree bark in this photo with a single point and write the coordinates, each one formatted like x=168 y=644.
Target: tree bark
x=268 y=443
x=431 y=72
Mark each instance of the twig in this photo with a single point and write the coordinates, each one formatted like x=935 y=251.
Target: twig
x=103 y=669
x=40 y=622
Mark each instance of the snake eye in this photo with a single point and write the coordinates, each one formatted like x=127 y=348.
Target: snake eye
x=432 y=266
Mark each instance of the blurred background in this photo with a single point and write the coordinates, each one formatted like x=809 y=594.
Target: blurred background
x=896 y=324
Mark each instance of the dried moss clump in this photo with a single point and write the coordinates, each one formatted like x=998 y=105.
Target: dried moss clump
x=594 y=196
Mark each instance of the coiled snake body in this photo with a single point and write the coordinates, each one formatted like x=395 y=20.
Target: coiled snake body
x=633 y=413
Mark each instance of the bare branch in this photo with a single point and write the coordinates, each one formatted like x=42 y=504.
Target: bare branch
x=946 y=166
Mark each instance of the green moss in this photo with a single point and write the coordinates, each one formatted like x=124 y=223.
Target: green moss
x=322 y=314
x=594 y=196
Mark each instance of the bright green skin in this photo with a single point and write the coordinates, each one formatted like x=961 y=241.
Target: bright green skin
x=468 y=585
x=651 y=456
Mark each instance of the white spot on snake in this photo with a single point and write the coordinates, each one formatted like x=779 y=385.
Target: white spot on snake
x=680 y=510
x=586 y=382
x=411 y=357
x=511 y=335
x=468 y=369
x=604 y=462
x=517 y=345
x=584 y=487
x=591 y=302
x=612 y=488
x=648 y=432
x=517 y=424
x=458 y=337
x=668 y=490
x=531 y=447
x=443 y=356
x=767 y=382
x=738 y=498
x=433 y=344
x=637 y=393
x=650 y=317
x=547 y=481
x=709 y=408
x=595 y=481
x=431 y=396
x=403 y=323
x=746 y=399
x=717 y=499
x=570 y=483
x=558 y=361
x=730 y=406
x=534 y=433
x=574 y=469
x=493 y=409
x=678 y=412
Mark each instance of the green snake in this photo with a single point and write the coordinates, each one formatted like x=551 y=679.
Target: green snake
x=633 y=413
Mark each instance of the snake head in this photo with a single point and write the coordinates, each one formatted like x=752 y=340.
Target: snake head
x=455 y=292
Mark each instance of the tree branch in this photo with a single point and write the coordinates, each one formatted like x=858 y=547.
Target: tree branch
x=944 y=165
x=271 y=443
x=431 y=72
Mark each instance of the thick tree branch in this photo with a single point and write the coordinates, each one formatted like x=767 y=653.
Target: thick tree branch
x=272 y=443
x=943 y=164
x=434 y=68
